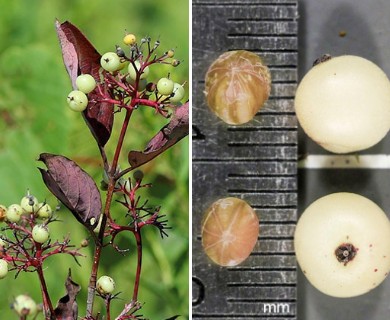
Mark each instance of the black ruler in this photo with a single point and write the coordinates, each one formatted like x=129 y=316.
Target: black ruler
x=256 y=162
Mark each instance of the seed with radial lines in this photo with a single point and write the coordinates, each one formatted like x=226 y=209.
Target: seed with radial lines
x=230 y=229
x=237 y=85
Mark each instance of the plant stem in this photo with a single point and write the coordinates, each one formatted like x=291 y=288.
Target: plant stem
x=110 y=192
x=47 y=305
x=138 y=239
x=120 y=141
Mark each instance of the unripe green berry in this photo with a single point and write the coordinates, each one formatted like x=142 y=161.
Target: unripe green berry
x=133 y=72
x=138 y=175
x=40 y=233
x=3 y=213
x=14 y=213
x=105 y=285
x=3 y=268
x=44 y=211
x=85 y=83
x=77 y=100
x=178 y=93
x=110 y=62
x=165 y=86
x=25 y=305
x=29 y=204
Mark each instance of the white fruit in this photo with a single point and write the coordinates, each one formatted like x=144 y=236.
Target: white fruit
x=354 y=228
x=25 y=305
x=3 y=268
x=343 y=104
x=105 y=285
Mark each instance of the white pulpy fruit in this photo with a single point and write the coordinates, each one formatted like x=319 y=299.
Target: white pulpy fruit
x=25 y=305
x=105 y=285
x=342 y=244
x=343 y=104
x=3 y=268
x=40 y=233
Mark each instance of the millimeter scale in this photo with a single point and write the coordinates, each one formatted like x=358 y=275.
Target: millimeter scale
x=256 y=161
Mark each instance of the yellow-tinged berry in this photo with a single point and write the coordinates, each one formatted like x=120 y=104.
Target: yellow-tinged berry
x=3 y=212
x=129 y=39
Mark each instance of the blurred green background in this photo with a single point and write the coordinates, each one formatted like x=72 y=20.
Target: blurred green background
x=34 y=118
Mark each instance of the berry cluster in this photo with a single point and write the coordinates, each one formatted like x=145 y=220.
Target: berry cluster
x=126 y=78
x=25 y=243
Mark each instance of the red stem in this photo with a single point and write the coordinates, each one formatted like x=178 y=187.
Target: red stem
x=47 y=305
x=138 y=239
x=120 y=141
x=108 y=312
x=110 y=192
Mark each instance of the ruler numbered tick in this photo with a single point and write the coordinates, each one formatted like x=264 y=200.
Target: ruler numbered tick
x=256 y=162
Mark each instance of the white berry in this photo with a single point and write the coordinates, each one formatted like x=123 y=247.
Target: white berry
x=343 y=104
x=44 y=211
x=40 y=233
x=133 y=72
x=85 y=83
x=25 y=305
x=342 y=244
x=3 y=268
x=110 y=62
x=29 y=204
x=14 y=213
x=105 y=285
x=77 y=100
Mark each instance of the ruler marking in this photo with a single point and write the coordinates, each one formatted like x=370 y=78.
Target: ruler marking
x=266 y=175
x=256 y=4
x=249 y=129
x=256 y=269
x=256 y=300
x=265 y=36
x=264 y=238
x=265 y=222
x=240 y=316
x=260 y=284
x=262 y=253
x=260 y=144
x=260 y=191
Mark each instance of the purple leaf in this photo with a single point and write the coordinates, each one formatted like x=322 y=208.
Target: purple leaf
x=67 y=308
x=73 y=187
x=169 y=135
x=81 y=57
